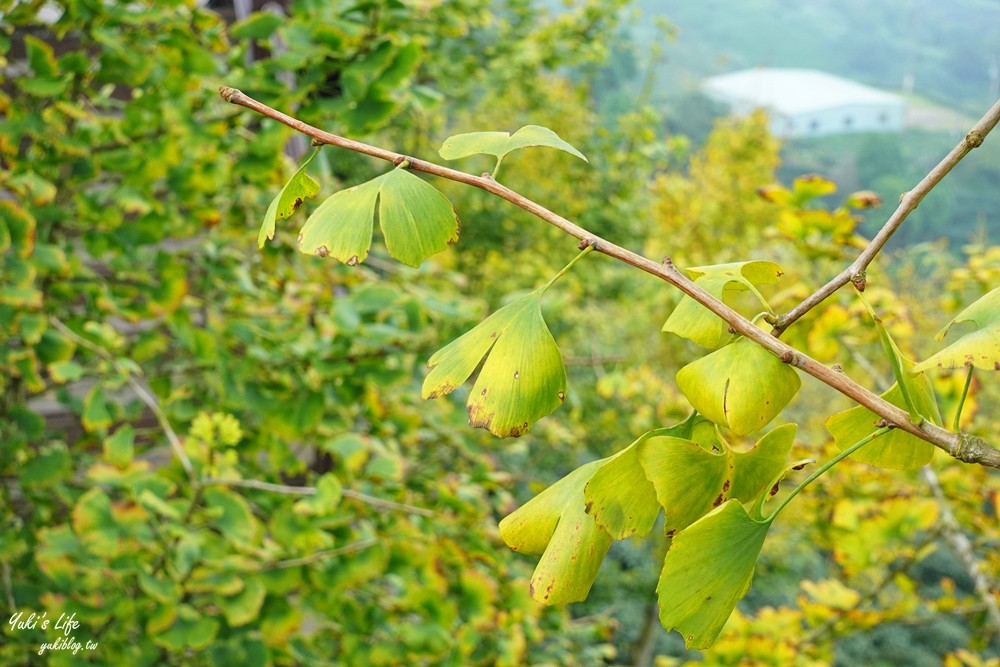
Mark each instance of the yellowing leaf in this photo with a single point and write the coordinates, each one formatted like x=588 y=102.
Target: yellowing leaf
x=707 y=570
x=620 y=497
x=896 y=449
x=690 y=480
x=742 y=386
x=300 y=186
x=523 y=378
x=502 y=143
x=692 y=320
x=979 y=348
x=416 y=219
x=555 y=525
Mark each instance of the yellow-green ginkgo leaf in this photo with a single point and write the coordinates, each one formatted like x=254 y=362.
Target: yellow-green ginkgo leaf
x=417 y=220
x=300 y=186
x=692 y=320
x=979 y=348
x=742 y=386
x=555 y=525
x=620 y=497
x=500 y=144
x=690 y=480
x=896 y=449
x=707 y=570
x=756 y=469
x=523 y=378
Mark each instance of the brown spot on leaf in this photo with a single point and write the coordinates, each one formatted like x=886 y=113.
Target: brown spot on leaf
x=484 y=392
x=799 y=466
x=562 y=396
x=517 y=374
x=296 y=203
x=353 y=261
x=725 y=487
x=718 y=500
x=322 y=251
x=774 y=489
x=671 y=532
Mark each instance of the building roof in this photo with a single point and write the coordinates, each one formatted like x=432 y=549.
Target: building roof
x=794 y=91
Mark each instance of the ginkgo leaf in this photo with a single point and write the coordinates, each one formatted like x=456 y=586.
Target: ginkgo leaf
x=690 y=480
x=523 y=378
x=756 y=470
x=692 y=320
x=620 y=497
x=555 y=525
x=416 y=219
x=896 y=449
x=502 y=143
x=979 y=348
x=742 y=386
x=300 y=186
x=707 y=570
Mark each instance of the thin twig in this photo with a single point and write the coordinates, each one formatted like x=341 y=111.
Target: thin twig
x=966 y=448
x=311 y=491
x=140 y=391
x=353 y=547
x=8 y=587
x=907 y=204
x=962 y=548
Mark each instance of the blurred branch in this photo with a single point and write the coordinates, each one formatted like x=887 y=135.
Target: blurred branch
x=353 y=547
x=144 y=395
x=953 y=534
x=311 y=491
x=969 y=449
x=908 y=202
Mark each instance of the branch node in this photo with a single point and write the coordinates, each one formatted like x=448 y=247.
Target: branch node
x=228 y=93
x=837 y=368
x=587 y=243
x=970 y=448
x=788 y=357
x=400 y=160
x=486 y=175
x=316 y=142
x=974 y=139
x=668 y=262
x=859 y=279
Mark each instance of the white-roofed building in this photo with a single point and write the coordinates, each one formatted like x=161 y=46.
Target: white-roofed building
x=805 y=102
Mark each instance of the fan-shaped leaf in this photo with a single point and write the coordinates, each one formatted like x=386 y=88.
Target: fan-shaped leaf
x=742 y=386
x=417 y=220
x=979 y=348
x=300 y=186
x=692 y=320
x=502 y=143
x=690 y=481
x=620 y=497
x=555 y=525
x=523 y=378
x=707 y=570
x=896 y=449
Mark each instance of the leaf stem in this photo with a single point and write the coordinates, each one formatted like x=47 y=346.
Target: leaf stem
x=826 y=466
x=569 y=266
x=496 y=169
x=961 y=401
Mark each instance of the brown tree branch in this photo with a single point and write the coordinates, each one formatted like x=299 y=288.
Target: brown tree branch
x=908 y=202
x=969 y=449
